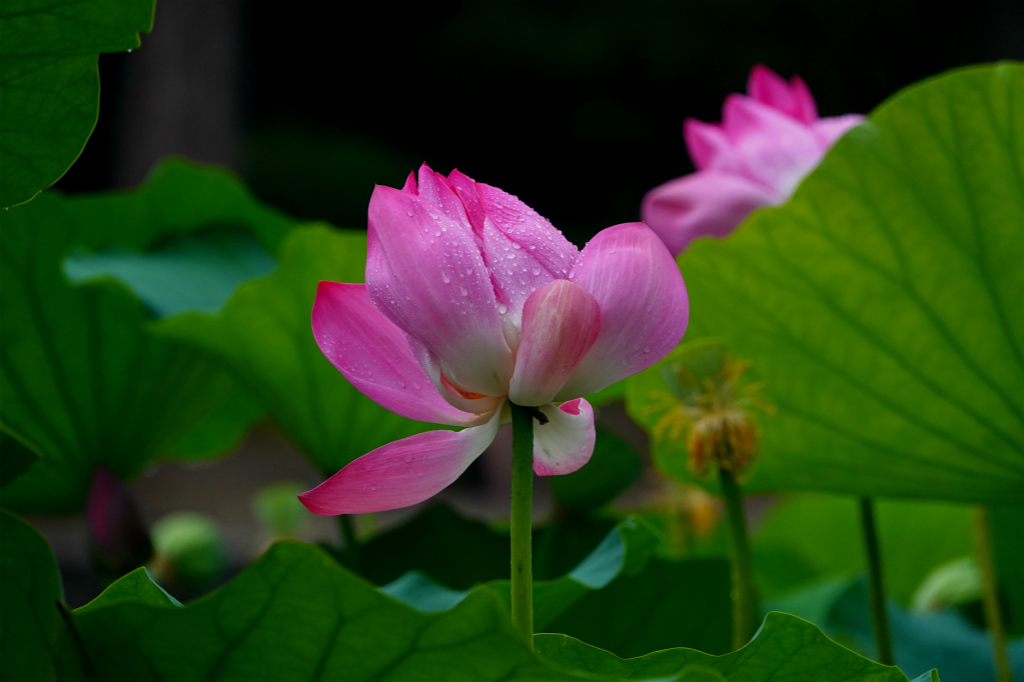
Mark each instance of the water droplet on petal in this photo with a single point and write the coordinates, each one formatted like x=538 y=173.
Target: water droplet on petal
x=502 y=308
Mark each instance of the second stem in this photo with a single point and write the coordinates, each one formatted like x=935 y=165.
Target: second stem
x=744 y=597
x=522 y=520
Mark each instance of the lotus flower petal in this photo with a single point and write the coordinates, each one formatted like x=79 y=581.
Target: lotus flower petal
x=710 y=148
x=701 y=204
x=777 y=150
x=374 y=355
x=402 y=473
x=561 y=321
x=425 y=272
x=566 y=442
x=793 y=99
x=643 y=301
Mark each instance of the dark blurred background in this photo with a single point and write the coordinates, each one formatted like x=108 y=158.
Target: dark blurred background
x=574 y=106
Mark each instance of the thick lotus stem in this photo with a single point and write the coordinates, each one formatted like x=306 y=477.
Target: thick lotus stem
x=744 y=596
x=522 y=520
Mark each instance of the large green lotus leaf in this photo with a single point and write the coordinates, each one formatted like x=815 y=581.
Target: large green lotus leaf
x=35 y=641
x=82 y=381
x=263 y=334
x=810 y=538
x=50 y=88
x=786 y=648
x=882 y=303
x=297 y=615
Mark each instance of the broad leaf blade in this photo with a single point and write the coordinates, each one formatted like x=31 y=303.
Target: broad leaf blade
x=296 y=614
x=50 y=90
x=785 y=648
x=881 y=305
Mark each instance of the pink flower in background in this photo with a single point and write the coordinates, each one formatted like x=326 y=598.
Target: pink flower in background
x=767 y=142
x=473 y=299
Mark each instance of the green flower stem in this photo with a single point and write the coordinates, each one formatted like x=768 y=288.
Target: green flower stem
x=351 y=542
x=990 y=603
x=744 y=597
x=522 y=520
x=876 y=586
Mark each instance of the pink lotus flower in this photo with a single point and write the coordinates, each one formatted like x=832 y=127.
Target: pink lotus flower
x=471 y=300
x=766 y=144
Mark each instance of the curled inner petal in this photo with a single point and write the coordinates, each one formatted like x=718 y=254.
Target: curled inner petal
x=561 y=321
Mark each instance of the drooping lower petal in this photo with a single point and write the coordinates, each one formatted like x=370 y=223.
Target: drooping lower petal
x=561 y=321
x=709 y=203
x=643 y=301
x=402 y=473
x=426 y=274
x=566 y=442
x=373 y=354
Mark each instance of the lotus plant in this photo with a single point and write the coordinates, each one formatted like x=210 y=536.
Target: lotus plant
x=767 y=142
x=476 y=311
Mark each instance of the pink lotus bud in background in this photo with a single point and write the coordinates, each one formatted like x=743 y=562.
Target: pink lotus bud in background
x=767 y=142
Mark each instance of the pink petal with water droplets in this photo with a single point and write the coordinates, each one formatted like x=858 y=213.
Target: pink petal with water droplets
x=566 y=442
x=373 y=354
x=522 y=249
x=561 y=321
x=426 y=274
x=402 y=473
x=709 y=203
x=775 y=150
x=643 y=301
x=435 y=189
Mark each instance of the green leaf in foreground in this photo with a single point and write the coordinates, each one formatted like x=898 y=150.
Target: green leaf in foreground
x=35 y=641
x=786 y=648
x=881 y=305
x=296 y=615
x=50 y=89
x=82 y=381
x=263 y=335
